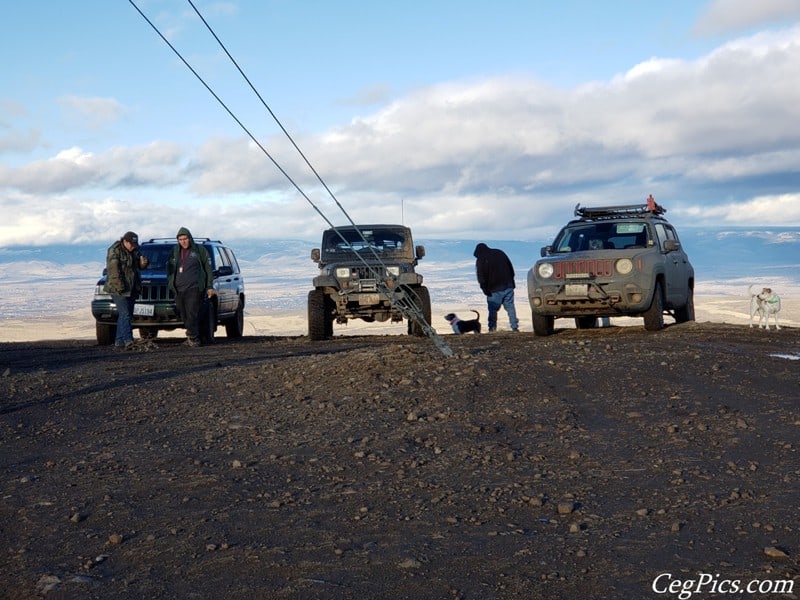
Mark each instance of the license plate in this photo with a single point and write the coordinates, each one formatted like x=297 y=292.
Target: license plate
x=368 y=299
x=576 y=289
x=144 y=310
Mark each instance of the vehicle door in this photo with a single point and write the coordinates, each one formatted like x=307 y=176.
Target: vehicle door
x=223 y=281
x=676 y=266
x=237 y=279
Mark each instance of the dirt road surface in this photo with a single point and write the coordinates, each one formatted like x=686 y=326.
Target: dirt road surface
x=607 y=463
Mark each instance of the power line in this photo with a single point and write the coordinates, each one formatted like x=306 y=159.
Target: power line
x=407 y=305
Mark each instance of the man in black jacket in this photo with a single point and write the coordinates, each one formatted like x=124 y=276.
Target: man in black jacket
x=496 y=278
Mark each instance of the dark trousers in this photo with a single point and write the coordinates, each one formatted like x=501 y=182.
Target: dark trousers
x=124 y=306
x=188 y=303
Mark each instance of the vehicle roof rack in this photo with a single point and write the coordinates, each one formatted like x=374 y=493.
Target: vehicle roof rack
x=172 y=239
x=609 y=212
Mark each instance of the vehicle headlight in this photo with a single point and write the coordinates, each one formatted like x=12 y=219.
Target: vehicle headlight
x=545 y=270
x=624 y=266
x=393 y=271
x=343 y=272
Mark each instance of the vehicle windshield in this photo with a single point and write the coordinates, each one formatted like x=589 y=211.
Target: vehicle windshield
x=158 y=255
x=621 y=235
x=379 y=240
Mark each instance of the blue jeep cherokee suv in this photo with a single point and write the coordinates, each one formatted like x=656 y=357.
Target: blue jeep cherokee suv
x=155 y=307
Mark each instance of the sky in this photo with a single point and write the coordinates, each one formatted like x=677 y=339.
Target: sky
x=464 y=120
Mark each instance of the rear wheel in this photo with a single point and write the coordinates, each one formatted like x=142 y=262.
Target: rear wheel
x=542 y=324
x=585 y=322
x=320 y=316
x=422 y=300
x=654 y=316
x=148 y=333
x=686 y=312
x=105 y=333
x=234 y=327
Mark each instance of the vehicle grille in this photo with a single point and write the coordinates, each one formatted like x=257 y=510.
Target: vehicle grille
x=363 y=272
x=154 y=293
x=567 y=269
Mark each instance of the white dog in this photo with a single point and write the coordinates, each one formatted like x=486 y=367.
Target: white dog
x=765 y=303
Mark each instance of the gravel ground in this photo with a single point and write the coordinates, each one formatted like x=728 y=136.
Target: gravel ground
x=589 y=464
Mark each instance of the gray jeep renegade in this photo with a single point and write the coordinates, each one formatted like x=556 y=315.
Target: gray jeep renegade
x=613 y=261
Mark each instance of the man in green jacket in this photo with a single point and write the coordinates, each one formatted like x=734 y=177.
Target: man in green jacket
x=123 y=282
x=191 y=278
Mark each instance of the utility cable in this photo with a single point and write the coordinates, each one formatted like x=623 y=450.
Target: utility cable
x=410 y=310
x=409 y=307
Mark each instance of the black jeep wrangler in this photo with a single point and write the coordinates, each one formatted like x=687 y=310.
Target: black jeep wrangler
x=365 y=270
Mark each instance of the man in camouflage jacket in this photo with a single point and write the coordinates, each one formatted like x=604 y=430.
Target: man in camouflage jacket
x=124 y=263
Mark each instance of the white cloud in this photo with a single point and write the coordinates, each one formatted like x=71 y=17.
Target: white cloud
x=775 y=210
x=724 y=16
x=499 y=157
x=92 y=113
x=155 y=164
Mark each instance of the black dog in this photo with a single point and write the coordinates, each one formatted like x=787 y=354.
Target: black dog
x=459 y=326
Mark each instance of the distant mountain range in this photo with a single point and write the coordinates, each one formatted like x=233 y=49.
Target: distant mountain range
x=36 y=279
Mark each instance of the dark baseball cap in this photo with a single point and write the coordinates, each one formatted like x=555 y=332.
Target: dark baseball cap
x=131 y=237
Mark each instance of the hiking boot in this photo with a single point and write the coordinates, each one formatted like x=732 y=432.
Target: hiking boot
x=191 y=342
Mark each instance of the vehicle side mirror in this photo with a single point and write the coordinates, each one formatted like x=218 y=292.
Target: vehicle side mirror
x=671 y=245
x=224 y=271
x=545 y=250
x=420 y=252
x=315 y=255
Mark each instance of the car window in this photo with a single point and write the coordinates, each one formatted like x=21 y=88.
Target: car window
x=231 y=259
x=664 y=232
x=603 y=236
x=158 y=255
x=630 y=235
x=220 y=259
x=379 y=240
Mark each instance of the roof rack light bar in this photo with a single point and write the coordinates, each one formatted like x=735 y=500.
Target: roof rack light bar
x=627 y=209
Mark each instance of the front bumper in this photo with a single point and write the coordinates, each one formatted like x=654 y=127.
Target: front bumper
x=588 y=297
x=165 y=316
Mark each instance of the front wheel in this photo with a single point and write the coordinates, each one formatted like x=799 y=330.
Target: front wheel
x=654 y=316
x=105 y=333
x=422 y=300
x=543 y=325
x=320 y=316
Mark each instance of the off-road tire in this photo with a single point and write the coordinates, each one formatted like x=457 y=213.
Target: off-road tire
x=105 y=333
x=148 y=333
x=654 y=316
x=686 y=312
x=234 y=327
x=320 y=317
x=422 y=300
x=585 y=322
x=543 y=325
